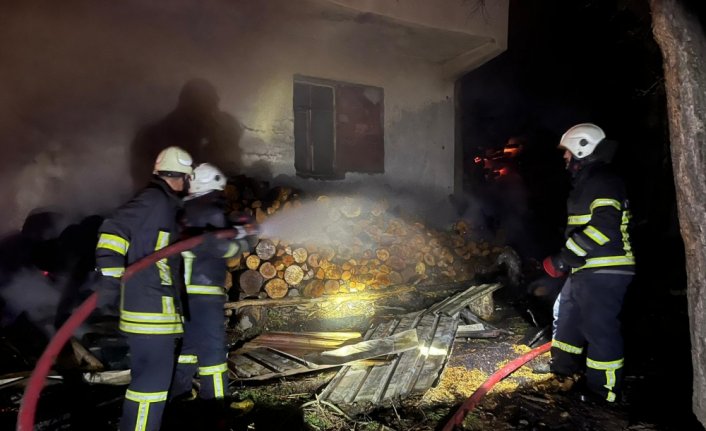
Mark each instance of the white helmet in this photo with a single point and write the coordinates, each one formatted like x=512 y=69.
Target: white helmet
x=206 y=178
x=173 y=160
x=582 y=139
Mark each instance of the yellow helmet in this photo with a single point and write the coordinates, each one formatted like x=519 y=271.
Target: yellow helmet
x=173 y=160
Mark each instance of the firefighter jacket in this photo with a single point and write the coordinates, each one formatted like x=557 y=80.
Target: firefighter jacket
x=597 y=237
x=149 y=300
x=204 y=266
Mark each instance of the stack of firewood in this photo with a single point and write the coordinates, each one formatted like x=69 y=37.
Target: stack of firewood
x=365 y=246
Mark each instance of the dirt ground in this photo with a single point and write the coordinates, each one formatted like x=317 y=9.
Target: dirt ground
x=526 y=400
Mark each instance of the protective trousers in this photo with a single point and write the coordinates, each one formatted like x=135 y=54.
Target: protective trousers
x=588 y=325
x=152 y=360
x=203 y=349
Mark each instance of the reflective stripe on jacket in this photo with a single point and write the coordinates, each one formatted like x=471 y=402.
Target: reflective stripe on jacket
x=149 y=300
x=205 y=266
x=597 y=231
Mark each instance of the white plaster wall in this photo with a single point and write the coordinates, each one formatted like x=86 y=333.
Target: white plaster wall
x=83 y=76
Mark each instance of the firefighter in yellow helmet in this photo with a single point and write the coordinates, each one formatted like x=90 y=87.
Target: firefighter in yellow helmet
x=150 y=314
x=598 y=260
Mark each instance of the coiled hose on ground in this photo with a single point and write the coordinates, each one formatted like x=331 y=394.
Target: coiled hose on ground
x=28 y=406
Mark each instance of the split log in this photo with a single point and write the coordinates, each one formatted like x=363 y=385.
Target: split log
x=327 y=253
x=300 y=254
x=314 y=289
x=229 y=281
x=265 y=249
x=331 y=287
x=84 y=358
x=233 y=262
x=250 y=282
x=249 y=321
x=276 y=288
x=288 y=260
x=260 y=216
x=293 y=275
x=252 y=261
x=268 y=270
x=313 y=260
x=382 y=254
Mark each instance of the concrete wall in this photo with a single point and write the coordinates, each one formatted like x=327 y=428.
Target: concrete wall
x=79 y=78
x=478 y=17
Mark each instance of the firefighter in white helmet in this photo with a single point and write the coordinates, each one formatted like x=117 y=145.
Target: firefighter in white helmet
x=598 y=262
x=150 y=314
x=204 y=345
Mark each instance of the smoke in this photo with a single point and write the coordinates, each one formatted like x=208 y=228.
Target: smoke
x=32 y=294
x=329 y=216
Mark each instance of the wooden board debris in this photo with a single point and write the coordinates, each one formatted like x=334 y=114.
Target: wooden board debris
x=454 y=304
x=393 y=344
x=413 y=371
x=376 y=369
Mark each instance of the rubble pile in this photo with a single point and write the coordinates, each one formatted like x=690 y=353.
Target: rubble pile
x=365 y=245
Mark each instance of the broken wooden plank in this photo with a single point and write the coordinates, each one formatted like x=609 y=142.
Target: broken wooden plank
x=342 y=335
x=362 y=387
x=349 y=385
x=117 y=377
x=84 y=358
x=303 y=341
x=477 y=330
x=341 y=386
x=456 y=303
x=267 y=360
x=388 y=389
x=412 y=362
x=470 y=317
x=483 y=334
x=470 y=328
x=243 y=368
x=265 y=366
x=436 y=354
x=393 y=344
x=376 y=382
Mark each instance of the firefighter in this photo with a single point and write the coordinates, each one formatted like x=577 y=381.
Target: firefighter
x=598 y=259
x=149 y=309
x=204 y=344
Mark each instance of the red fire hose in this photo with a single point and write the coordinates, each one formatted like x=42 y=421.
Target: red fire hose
x=505 y=371
x=28 y=407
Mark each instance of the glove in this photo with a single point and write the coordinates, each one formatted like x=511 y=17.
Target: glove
x=108 y=289
x=555 y=266
x=213 y=246
x=545 y=286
